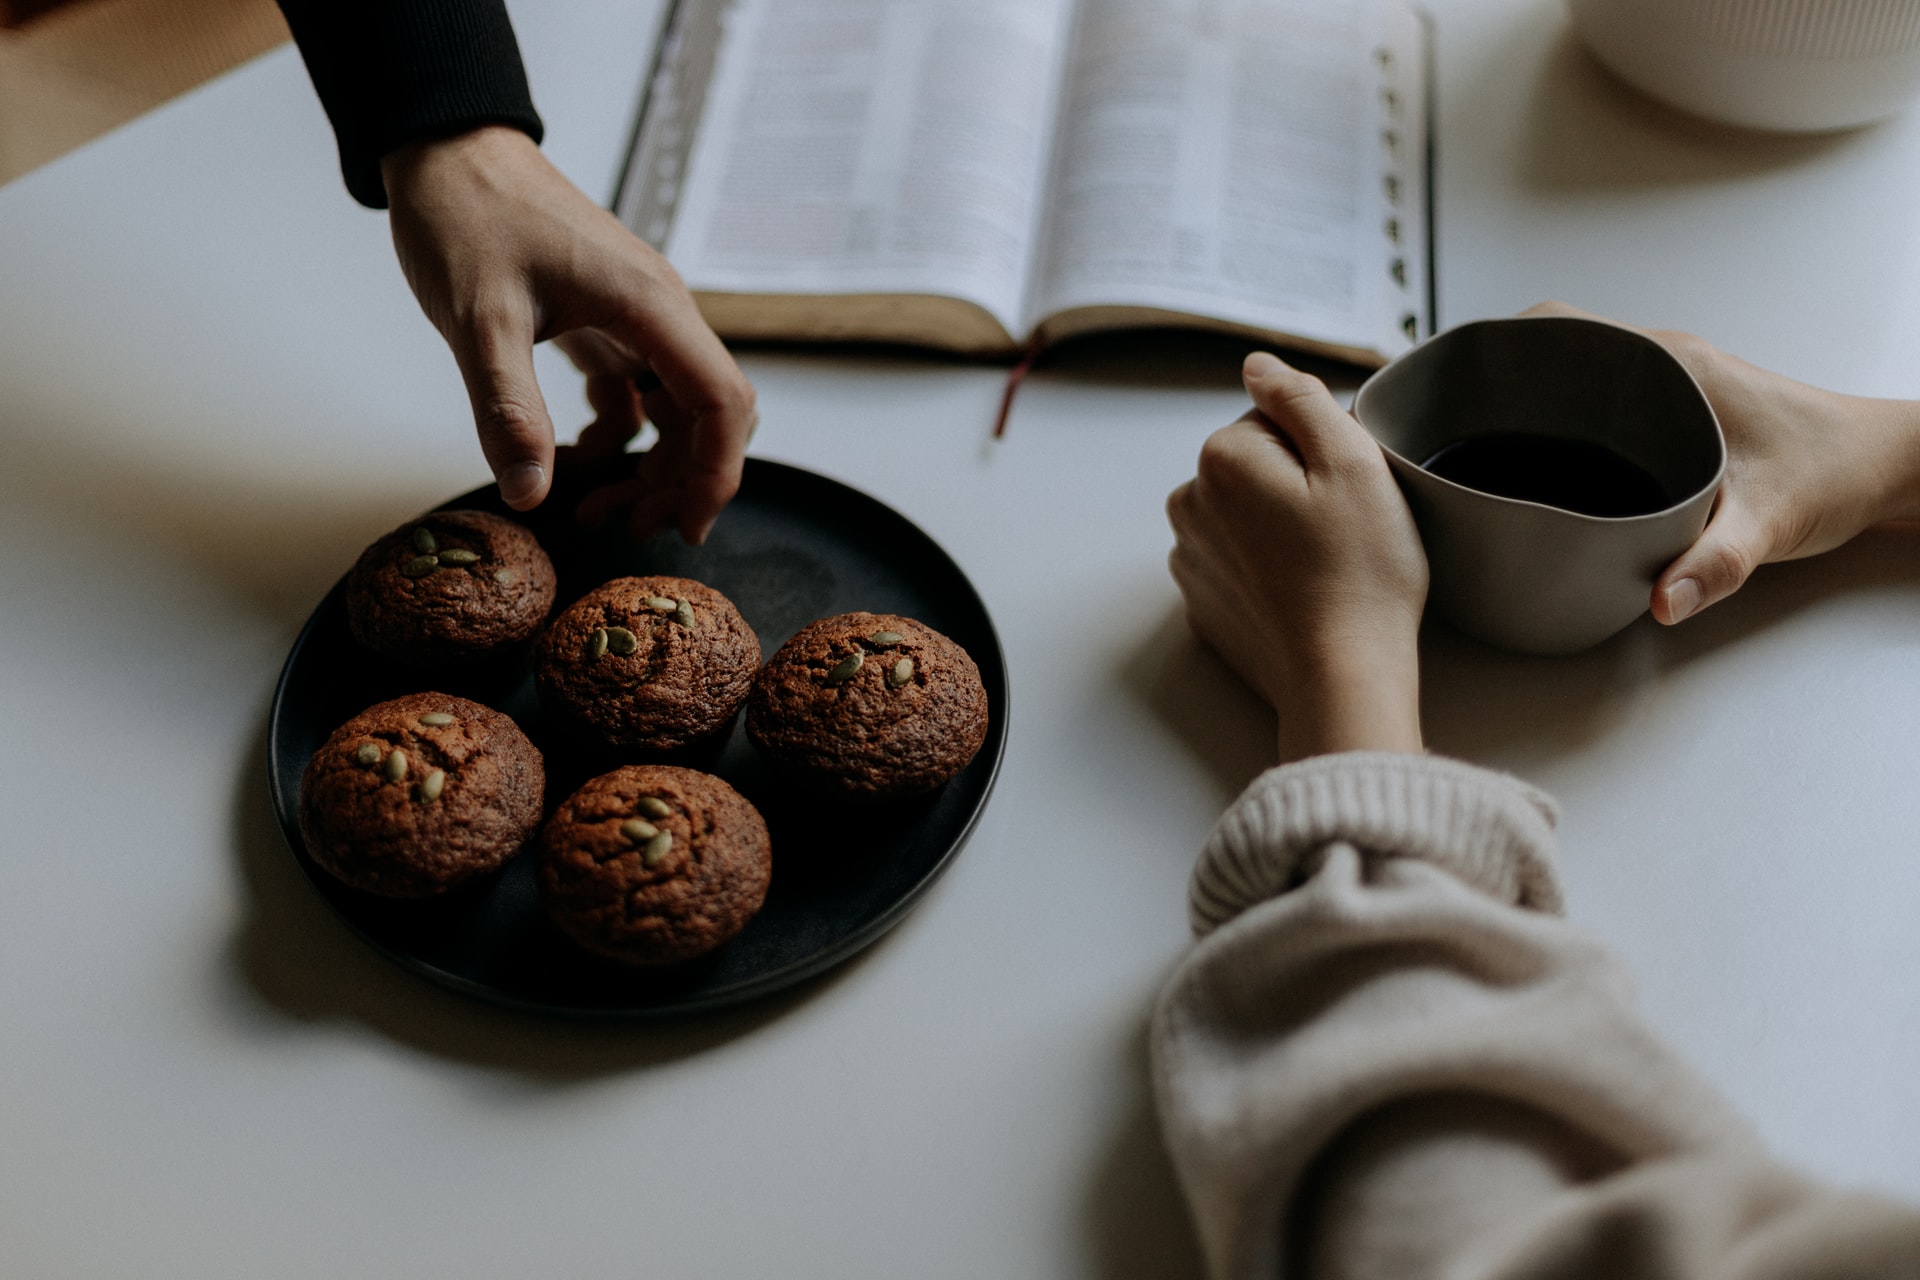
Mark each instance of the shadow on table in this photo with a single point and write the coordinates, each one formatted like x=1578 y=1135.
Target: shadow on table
x=1161 y=358
x=1222 y=722
x=274 y=543
x=1478 y=702
x=1175 y=359
x=1587 y=129
x=294 y=955
x=1135 y=1213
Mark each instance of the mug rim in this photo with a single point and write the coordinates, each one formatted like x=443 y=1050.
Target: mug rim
x=1711 y=486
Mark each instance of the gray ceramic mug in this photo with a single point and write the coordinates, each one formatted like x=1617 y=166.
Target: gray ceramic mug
x=1521 y=574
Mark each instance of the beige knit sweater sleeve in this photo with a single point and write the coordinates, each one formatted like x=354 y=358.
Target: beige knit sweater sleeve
x=1388 y=1056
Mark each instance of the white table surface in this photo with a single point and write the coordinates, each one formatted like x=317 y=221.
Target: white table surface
x=214 y=388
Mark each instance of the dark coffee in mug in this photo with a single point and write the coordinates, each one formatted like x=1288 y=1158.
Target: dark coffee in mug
x=1574 y=475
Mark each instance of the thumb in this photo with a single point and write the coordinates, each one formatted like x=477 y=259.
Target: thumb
x=516 y=435
x=1731 y=546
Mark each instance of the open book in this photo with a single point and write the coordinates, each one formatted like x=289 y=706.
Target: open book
x=982 y=175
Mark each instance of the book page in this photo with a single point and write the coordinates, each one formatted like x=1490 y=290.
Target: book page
x=1242 y=159
x=863 y=147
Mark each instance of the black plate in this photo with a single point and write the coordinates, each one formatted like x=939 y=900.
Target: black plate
x=792 y=547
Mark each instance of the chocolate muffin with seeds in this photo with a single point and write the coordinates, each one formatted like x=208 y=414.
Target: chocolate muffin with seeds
x=869 y=705
x=654 y=864
x=454 y=588
x=413 y=797
x=651 y=664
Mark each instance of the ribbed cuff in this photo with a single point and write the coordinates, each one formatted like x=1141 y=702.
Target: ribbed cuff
x=1490 y=829
x=394 y=72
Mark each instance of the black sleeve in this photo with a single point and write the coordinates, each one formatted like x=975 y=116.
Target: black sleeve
x=391 y=72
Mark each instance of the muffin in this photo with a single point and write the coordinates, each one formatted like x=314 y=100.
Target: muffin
x=453 y=587
x=653 y=864
x=647 y=664
x=415 y=796
x=869 y=705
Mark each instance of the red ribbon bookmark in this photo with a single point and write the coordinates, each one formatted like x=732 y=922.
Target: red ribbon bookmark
x=1015 y=377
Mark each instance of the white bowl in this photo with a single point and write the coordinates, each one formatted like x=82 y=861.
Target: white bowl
x=1792 y=65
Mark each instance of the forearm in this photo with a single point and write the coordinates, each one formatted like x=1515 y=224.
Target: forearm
x=1864 y=451
x=1387 y=1057
x=1362 y=694
x=1898 y=423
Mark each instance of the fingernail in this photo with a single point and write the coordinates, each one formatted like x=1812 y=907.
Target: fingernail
x=1261 y=364
x=1683 y=598
x=522 y=484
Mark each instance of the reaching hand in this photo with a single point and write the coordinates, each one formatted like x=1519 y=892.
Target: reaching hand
x=503 y=252
x=1806 y=470
x=1301 y=566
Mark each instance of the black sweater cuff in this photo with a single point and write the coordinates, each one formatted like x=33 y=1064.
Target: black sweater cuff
x=393 y=72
